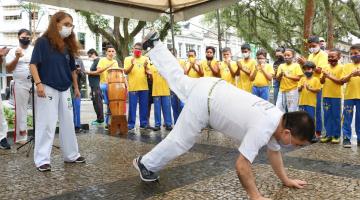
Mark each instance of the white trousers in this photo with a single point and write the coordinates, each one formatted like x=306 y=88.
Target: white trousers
x=194 y=116
x=3 y=123
x=56 y=106
x=21 y=96
x=288 y=101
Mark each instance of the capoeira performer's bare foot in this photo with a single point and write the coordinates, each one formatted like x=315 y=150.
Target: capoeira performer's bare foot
x=233 y=112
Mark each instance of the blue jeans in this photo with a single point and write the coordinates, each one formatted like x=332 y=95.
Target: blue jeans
x=76 y=111
x=143 y=98
x=276 y=90
x=348 y=116
x=332 y=115
x=176 y=105
x=309 y=109
x=104 y=92
x=318 y=118
x=162 y=103
x=262 y=92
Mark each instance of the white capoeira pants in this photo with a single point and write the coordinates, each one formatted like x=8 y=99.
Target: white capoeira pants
x=55 y=106
x=194 y=116
x=21 y=96
x=288 y=101
x=3 y=123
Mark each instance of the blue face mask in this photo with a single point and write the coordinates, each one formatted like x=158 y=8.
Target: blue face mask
x=308 y=74
x=356 y=58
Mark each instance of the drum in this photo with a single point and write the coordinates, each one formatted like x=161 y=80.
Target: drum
x=117 y=92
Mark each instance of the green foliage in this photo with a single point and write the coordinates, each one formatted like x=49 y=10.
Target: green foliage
x=270 y=23
x=10 y=118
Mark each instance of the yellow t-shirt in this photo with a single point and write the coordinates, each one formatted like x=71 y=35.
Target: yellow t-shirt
x=244 y=82
x=103 y=63
x=192 y=72
x=260 y=79
x=160 y=86
x=293 y=69
x=182 y=63
x=307 y=98
x=225 y=71
x=206 y=68
x=320 y=59
x=352 y=89
x=137 y=78
x=330 y=88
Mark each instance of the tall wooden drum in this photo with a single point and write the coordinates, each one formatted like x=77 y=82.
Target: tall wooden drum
x=117 y=94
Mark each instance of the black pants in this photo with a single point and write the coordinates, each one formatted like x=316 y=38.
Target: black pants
x=97 y=101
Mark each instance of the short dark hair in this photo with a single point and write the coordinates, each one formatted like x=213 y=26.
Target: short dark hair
x=355 y=46
x=210 y=47
x=301 y=125
x=226 y=49
x=138 y=44
x=309 y=64
x=109 y=46
x=21 y=31
x=291 y=50
x=192 y=50
x=92 y=51
x=314 y=39
x=280 y=49
x=336 y=50
x=261 y=52
x=245 y=46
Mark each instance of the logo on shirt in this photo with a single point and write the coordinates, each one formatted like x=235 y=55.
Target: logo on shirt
x=50 y=98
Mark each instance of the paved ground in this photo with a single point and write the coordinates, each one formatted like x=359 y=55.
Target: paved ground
x=206 y=172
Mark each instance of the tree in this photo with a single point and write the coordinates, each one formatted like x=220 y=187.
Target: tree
x=123 y=30
x=271 y=23
x=34 y=12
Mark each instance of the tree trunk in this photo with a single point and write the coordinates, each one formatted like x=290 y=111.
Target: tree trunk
x=330 y=24
x=308 y=20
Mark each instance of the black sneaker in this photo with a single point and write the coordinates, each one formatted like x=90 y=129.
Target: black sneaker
x=168 y=128
x=78 y=160
x=150 y=38
x=358 y=143
x=145 y=175
x=4 y=144
x=44 y=168
x=346 y=143
x=106 y=127
x=156 y=128
x=314 y=139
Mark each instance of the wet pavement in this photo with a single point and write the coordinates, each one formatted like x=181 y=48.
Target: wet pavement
x=205 y=172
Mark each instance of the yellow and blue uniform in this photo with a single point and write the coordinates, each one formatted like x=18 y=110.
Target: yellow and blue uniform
x=161 y=96
x=103 y=63
x=332 y=101
x=192 y=73
x=261 y=83
x=307 y=99
x=321 y=60
x=293 y=69
x=138 y=90
x=351 y=99
x=225 y=71
x=205 y=67
x=244 y=82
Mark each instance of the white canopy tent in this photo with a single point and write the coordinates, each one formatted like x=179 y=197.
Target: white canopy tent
x=145 y=10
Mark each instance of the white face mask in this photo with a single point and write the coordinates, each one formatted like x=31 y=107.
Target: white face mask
x=314 y=50
x=65 y=31
x=246 y=55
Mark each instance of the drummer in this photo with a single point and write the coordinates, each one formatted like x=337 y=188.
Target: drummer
x=102 y=69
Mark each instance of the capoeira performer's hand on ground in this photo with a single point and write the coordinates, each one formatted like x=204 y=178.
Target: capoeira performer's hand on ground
x=211 y=101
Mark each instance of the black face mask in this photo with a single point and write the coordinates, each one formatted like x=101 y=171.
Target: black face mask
x=333 y=62
x=24 y=41
x=280 y=58
x=308 y=74
x=209 y=58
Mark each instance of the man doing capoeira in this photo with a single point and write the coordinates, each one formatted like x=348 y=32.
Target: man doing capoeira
x=233 y=112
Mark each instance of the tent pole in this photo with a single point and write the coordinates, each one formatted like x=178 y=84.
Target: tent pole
x=172 y=27
x=219 y=32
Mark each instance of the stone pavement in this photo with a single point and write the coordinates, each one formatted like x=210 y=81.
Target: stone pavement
x=206 y=172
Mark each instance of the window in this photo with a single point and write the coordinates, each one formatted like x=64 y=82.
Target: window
x=13 y=17
x=189 y=46
x=180 y=50
x=12 y=7
x=81 y=38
